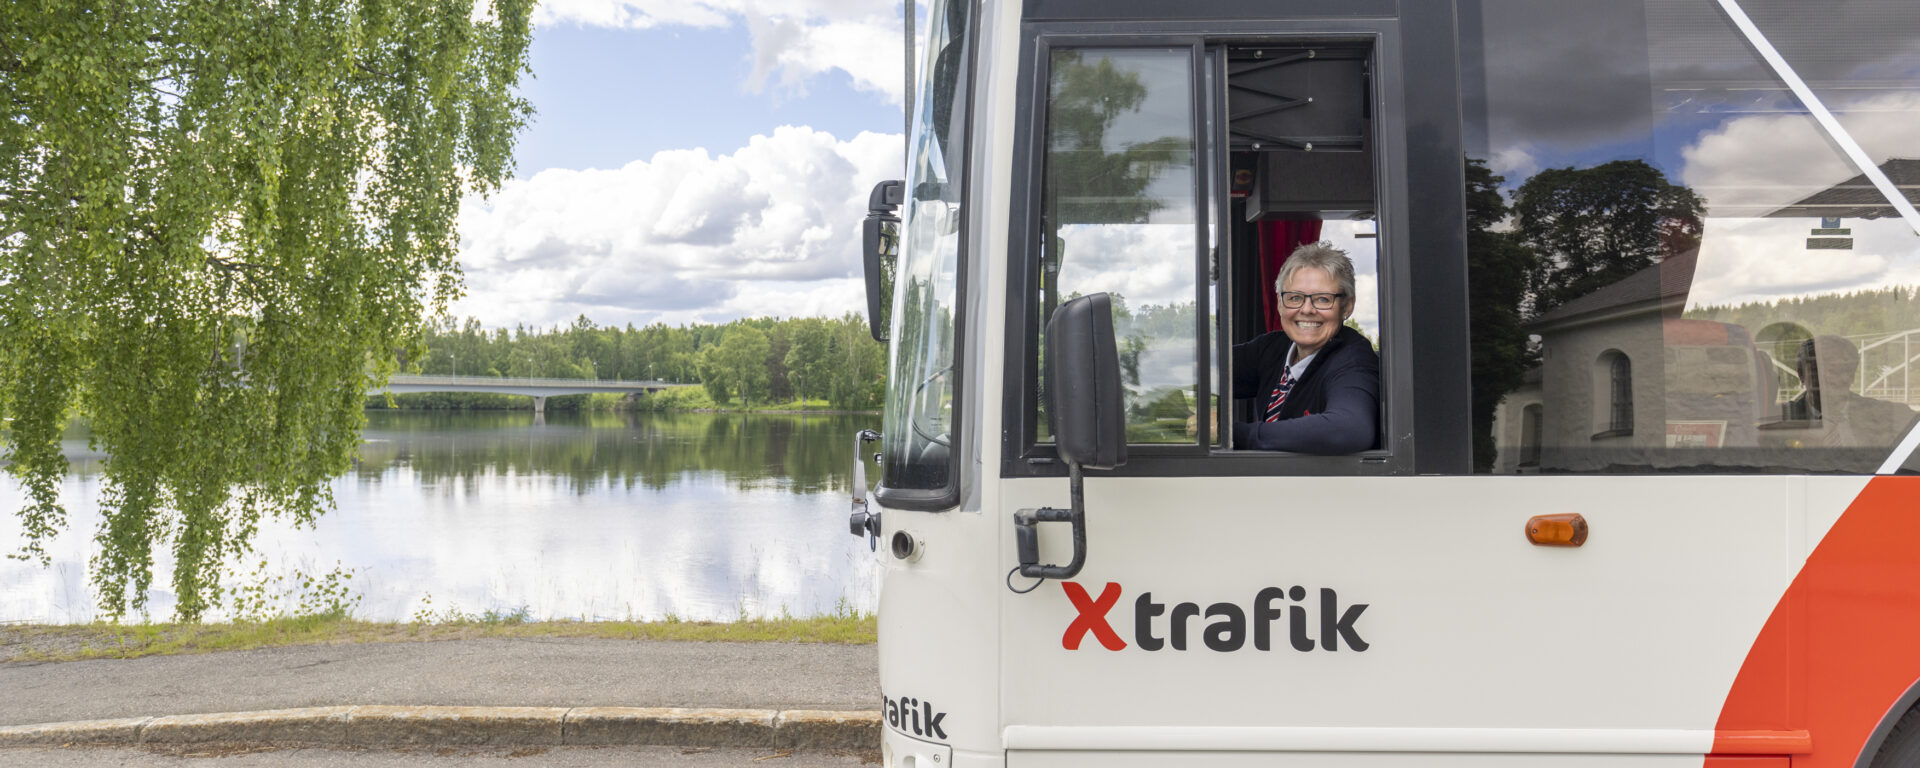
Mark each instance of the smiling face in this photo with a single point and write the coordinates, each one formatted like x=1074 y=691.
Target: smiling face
x=1310 y=328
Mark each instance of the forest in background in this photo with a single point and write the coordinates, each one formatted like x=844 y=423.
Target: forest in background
x=757 y=362
x=1883 y=311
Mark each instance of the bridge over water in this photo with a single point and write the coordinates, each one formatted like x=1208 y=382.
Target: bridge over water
x=538 y=389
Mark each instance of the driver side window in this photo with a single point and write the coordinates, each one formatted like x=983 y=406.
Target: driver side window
x=1179 y=179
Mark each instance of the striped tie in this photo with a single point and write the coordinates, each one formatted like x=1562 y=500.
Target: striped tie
x=1280 y=394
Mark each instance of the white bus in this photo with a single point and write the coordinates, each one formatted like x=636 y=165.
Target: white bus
x=1640 y=276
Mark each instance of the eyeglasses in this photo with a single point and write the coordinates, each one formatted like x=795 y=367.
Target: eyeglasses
x=1292 y=300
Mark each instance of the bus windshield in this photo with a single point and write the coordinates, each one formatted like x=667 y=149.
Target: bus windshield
x=918 y=447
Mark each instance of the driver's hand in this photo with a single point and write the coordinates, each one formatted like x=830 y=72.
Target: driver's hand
x=1193 y=424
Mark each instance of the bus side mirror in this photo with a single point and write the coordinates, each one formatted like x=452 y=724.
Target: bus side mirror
x=1083 y=384
x=1089 y=426
x=880 y=251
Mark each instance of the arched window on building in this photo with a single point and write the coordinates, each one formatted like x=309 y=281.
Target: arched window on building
x=1622 y=395
x=1531 y=430
x=1613 y=394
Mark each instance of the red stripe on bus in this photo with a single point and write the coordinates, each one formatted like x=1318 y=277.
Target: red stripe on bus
x=1716 y=761
x=1843 y=643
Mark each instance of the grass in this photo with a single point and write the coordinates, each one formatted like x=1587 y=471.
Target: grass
x=36 y=642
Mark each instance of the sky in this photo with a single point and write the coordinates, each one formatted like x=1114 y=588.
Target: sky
x=690 y=161
x=1687 y=93
x=706 y=160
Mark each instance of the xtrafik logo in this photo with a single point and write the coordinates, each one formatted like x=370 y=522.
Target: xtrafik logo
x=910 y=714
x=1317 y=625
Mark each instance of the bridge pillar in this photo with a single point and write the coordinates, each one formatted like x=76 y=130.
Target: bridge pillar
x=539 y=404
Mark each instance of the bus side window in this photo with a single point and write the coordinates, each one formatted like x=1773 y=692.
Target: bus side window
x=1692 y=273
x=1177 y=178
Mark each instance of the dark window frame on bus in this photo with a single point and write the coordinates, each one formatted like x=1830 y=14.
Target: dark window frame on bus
x=1023 y=456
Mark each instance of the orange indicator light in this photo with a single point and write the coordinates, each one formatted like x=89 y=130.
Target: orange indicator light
x=1557 y=530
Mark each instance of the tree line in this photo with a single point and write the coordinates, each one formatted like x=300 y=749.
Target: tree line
x=750 y=362
x=1853 y=313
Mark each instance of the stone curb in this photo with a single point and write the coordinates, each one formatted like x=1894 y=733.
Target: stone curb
x=476 y=726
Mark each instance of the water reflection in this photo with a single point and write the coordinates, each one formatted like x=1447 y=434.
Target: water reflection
x=652 y=451
x=599 y=516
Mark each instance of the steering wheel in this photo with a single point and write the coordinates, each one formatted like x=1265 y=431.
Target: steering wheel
x=943 y=440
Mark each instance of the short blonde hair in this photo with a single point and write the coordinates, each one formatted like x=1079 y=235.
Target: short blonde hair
x=1324 y=256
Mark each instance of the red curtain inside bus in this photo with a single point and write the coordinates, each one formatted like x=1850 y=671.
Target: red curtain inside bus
x=1278 y=238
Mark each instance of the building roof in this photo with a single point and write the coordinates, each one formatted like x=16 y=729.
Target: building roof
x=1656 y=286
x=1857 y=198
x=1667 y=283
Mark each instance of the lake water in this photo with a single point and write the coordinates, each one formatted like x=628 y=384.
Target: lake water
x=583 y=516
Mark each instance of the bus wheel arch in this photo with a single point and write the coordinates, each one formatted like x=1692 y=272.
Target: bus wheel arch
x=1895 y=742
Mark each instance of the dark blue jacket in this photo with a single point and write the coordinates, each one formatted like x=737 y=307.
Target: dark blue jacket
x=1333 y=409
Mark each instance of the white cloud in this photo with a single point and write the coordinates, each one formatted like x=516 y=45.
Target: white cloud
x=1752 y=165
x=1744 y=260
x=868 y=49
x=1365 y=252
x=1755 y=164
x=820 y=298
x=771 y=229
x=1146 y=263
x=793 y=40
x=632 y=14
x=1514 y=163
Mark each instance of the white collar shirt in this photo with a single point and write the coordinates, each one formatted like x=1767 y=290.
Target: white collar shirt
x=1297 y=369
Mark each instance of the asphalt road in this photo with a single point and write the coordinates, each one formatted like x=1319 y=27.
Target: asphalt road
x=558 y=672
x=556 y=757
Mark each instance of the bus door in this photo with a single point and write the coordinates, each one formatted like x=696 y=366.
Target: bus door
x=1377 y=607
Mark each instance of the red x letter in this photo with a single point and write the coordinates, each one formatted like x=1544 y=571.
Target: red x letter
x=1093 y=616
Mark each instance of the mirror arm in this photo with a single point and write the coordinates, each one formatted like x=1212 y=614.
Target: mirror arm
x=1027 y=537
x=886 y=196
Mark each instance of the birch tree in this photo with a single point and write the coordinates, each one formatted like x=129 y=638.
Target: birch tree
x=219 y=222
